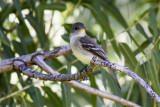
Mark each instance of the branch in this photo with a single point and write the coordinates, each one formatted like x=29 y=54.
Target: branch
x=7 y=65
x=127 y=71
x=102 y=94
x=58 y=52
x=21 y=66
x=21 y=63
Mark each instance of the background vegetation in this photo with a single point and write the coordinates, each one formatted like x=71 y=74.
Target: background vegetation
x=129 y=30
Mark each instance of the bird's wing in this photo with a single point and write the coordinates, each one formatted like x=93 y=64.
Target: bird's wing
x=91 y=46
x=88 y=44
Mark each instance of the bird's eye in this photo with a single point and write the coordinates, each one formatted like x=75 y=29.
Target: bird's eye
x=76 y=28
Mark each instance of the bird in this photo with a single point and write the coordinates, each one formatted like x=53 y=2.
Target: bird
x=85 y=48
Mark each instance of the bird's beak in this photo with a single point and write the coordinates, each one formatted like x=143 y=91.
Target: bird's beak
x=82 y=29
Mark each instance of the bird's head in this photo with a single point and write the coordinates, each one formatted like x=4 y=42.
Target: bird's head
x=78 y=29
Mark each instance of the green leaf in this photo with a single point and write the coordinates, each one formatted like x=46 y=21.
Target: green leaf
x=136 y=94
x=103 y=21
x=52 y=6
x=36 y=96
x=2 y=4
x=82 y=95
x=23 y=102
x=22 y=38
x=146 y=99
x=55 y=64
x=31 y=4
x=96 y=4
x=26 y=39
x=157 y=56
x=7 y=52
x=129 y=56
x=66 y=93
x=6 y=11
x=94 y=85
x=18 y=8
x=3 y=37
x=109 y=82
x=153 y=75
x=132 y=82
x=141 y=30
x=56 y=100
x=114 y=12
x=104 y=78
x=152 y=22
x=18 y=48
x=66 y=90
x=100 y=102
x=65 y=37
x=68 y=27
x=71 y=57
x=42 y=37
x=144 y=45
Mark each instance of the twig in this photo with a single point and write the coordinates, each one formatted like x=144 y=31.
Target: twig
x=55 y=76
x=17 y=92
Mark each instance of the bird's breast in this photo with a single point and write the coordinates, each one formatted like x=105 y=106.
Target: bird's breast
x=83 y=55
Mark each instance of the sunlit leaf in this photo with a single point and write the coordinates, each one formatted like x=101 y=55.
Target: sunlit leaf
x=42 y=37
x=23 y=102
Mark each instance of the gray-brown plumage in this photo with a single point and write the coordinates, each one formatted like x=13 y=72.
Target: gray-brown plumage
x=84 y=48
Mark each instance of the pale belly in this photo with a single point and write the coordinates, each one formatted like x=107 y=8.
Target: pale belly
x=84 y=57
x=81 y=54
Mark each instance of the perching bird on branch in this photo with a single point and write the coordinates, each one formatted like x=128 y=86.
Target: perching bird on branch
x=84 y=47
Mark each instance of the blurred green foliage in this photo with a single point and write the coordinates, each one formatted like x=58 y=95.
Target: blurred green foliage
x=129 y=30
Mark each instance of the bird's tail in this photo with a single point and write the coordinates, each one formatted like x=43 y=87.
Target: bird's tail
x=113 y=75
